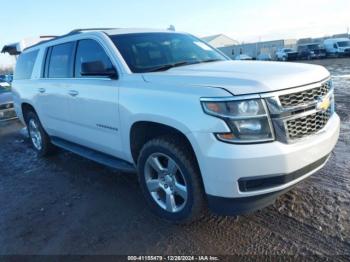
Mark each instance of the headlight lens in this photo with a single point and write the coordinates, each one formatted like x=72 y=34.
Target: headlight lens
x=248 y=120
x=249 y=107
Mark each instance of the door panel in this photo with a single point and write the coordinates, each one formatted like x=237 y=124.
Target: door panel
x=93 y=102
x=52 y=89
x=53 y=107
x=95 y=115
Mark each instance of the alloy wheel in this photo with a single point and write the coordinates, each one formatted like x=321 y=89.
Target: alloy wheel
x=165 y=182
x=34 y=133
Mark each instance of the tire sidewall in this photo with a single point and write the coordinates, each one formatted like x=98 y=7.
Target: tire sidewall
x=187 y=210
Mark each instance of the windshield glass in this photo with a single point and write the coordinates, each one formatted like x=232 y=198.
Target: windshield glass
x=344 y=43
x=287 y=50
x=147 y=52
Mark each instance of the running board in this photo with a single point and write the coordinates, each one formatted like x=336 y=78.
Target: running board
x=94 y=155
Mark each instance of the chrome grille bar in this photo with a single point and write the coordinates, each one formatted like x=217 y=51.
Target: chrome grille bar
x=295 y=113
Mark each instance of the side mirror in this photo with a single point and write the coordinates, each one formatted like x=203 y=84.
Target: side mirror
x=97 y=68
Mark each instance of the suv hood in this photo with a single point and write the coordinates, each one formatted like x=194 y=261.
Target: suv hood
x=241 y=77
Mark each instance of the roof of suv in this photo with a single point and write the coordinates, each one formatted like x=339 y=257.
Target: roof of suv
x=108 y=31
x=119 y=31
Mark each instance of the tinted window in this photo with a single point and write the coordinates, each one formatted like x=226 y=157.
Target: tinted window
x=25 y=65
x=145 y=52
x=61 y=59
x=89 y=51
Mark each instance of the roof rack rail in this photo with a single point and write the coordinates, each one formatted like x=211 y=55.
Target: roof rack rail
x=91 y=29
x=73 y=32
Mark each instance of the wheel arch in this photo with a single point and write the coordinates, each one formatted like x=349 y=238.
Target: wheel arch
x=25 y=108
x=143 y=131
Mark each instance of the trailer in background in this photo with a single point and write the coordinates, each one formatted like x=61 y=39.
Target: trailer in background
x=16 y=48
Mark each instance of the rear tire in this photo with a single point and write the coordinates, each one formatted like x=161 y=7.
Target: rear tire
x=170 y=180
x=38 y=137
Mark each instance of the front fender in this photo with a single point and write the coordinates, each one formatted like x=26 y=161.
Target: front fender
x=170 y=107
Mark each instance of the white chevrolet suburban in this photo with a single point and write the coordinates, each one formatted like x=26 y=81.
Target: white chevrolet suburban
x=199 y=129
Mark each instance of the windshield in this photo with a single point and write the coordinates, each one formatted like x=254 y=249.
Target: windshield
x=287 y=50
x=147 y=52
x=344 y=43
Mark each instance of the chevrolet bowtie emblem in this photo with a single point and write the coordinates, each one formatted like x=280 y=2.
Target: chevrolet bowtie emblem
x=323 y=103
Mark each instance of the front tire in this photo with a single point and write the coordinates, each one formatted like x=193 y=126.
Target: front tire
x=170 y=180
x=37 y=135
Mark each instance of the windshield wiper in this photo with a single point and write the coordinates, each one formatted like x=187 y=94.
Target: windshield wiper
x=209 y=60
x=168 y=66
x=183 y=63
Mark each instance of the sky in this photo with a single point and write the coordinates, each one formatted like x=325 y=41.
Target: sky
x=242 y=20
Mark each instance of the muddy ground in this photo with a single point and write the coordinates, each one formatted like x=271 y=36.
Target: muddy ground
x=68 y=205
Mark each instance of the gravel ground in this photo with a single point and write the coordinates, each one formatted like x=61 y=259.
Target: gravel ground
x=68 y=205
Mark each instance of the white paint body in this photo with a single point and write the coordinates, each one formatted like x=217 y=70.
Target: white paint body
x=172 y=98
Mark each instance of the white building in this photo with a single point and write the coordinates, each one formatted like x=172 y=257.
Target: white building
x=219 y=40
x=254 y=49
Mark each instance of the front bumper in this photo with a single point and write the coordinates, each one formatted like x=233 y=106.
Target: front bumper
x=222 y=165
x=243 y=205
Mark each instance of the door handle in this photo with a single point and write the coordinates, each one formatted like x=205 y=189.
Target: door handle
x=73 y=92
x=41 y=90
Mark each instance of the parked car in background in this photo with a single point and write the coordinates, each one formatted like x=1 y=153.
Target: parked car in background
x=6 y=78
x=311 y=51
x=7 y=110
x=243 y=57
x=286 y=54
x=264 y=57
x=4 y=84
x=198 y=129
x=337 y=46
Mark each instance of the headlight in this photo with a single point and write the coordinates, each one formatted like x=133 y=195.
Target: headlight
x=248 y=119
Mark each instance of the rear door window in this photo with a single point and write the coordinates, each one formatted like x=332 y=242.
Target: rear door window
x=61 y=61
x=25 y=65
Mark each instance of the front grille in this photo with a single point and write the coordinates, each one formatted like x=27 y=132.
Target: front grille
x=306 y=96
x=307 y=125
x=6 y=106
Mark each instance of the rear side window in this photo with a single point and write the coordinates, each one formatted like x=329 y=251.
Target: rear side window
x=25 y=65
x=89 y=51
x=61 y=61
